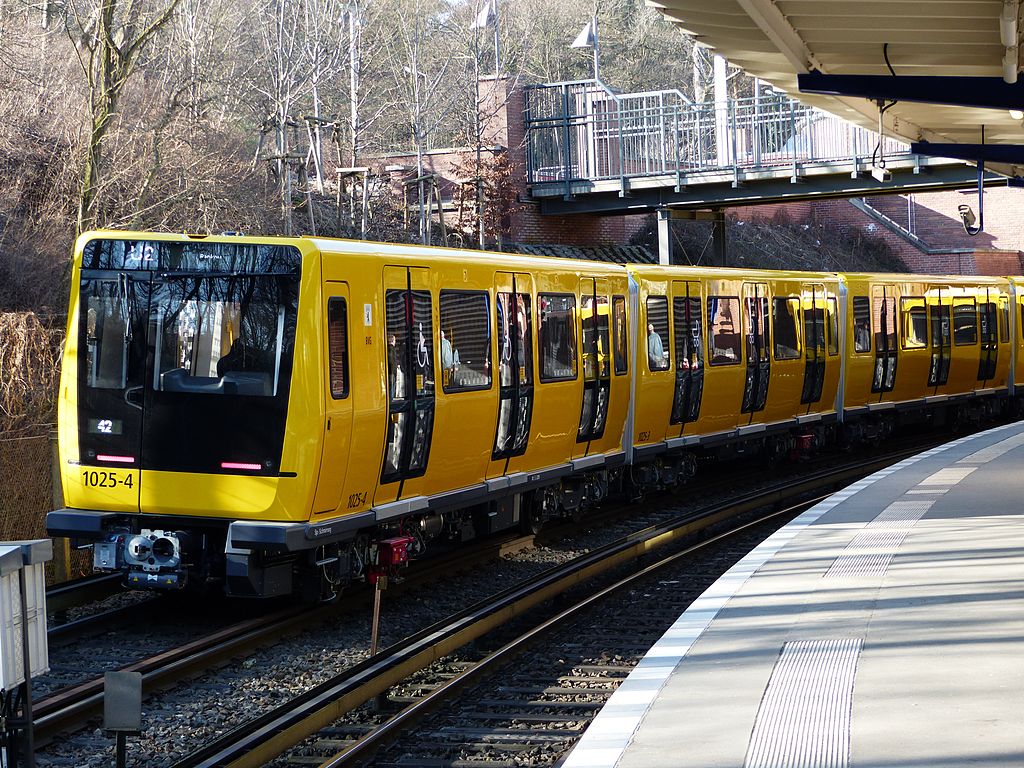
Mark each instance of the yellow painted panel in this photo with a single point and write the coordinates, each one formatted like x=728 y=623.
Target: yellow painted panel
x=230 y=496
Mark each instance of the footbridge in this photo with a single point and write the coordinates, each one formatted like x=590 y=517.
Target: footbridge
x=591 y=149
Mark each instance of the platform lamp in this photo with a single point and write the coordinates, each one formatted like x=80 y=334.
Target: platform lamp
x=588 y=38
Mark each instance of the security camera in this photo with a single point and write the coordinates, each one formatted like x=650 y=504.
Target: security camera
x=967 y=217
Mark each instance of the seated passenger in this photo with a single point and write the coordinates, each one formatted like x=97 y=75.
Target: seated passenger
x=237 y=359
x=655 y=349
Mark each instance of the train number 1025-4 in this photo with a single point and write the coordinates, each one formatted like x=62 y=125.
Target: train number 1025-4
x=99 y=479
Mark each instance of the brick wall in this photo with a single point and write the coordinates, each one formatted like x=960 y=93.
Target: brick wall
x=528 y=225
x=936 y=221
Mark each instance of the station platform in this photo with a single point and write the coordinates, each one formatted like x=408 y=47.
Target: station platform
x=883 y=628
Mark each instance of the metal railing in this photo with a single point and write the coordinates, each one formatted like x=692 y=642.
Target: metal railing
x=584 y=130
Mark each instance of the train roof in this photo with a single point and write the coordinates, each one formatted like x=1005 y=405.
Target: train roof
x=373 y=248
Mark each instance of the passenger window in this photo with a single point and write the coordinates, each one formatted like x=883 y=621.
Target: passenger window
x=987 y=322
x=724 y=326
x=337 y=347
x=410 y=365
x=523 y=331
x=595 y=350
x=814 y=332
x=785 y=328
x=465 y=342
x=1004 y=319
x=861 y=324
x=757 y=317
x=557 y=337
x=621 y=335
x=914 y=323
x=689 y=346
x=657 y=333
x=833 y=327
x=884 y=321
x=965 y=321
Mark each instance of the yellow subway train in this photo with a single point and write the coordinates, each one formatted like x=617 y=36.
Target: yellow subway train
x=274 y=415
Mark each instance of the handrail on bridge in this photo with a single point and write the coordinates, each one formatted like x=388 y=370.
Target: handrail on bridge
x=583 y=130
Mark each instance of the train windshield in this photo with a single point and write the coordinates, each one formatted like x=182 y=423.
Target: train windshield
x=219 y=336
x=186 y=354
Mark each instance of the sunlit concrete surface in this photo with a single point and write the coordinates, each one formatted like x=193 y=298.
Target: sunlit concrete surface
x=884 y=628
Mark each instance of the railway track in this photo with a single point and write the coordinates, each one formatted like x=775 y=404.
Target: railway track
x=264 y=739
x=531 y=698
x=77 y=592
x=70 y=707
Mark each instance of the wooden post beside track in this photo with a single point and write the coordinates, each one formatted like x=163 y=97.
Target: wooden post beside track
x=378 y=593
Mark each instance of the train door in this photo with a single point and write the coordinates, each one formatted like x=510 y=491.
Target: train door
x=337 y=403
x=112 y=375
x=883 y=307
x=755 y=321
x=409 y=339
x=514 y=316
x=1017 y=335
x=688 y=333
x=939 y=304
x=814 y=343
x=988 y=335
x=597 y=374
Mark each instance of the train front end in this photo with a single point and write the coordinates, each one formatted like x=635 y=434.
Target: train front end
x=174 y=404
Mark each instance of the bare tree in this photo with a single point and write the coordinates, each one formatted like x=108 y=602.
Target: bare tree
x=109 y=38
x=419 y=62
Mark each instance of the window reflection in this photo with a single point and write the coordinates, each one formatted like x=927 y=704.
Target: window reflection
x=222 y=336
x=557 y=337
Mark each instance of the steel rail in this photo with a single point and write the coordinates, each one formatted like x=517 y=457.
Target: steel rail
x=71 y=594
x=70 y=707
x=263 y=738
x=68 y=631
x=74 y=705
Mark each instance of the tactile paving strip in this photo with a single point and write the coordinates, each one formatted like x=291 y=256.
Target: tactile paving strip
x=993 y=452
x=947 y=476
x=871 y=550
x=804 y=717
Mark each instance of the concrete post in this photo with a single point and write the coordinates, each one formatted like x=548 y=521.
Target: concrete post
x=665 y=236
x=722 y=139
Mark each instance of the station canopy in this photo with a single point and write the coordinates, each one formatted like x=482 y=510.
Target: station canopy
x=966 y=49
